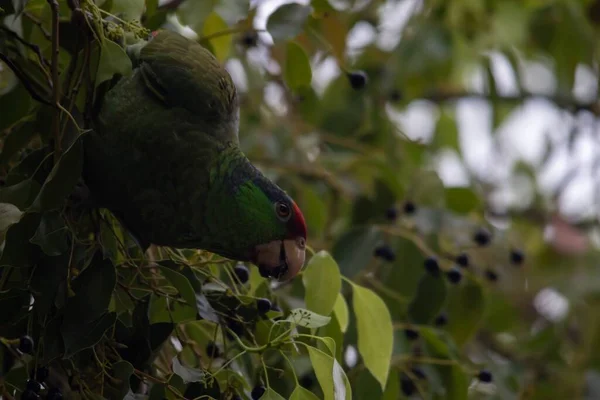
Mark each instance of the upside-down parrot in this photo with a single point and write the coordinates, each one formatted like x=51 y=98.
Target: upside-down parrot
x=164 y=157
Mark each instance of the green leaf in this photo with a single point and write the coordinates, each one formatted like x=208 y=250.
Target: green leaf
x=340 y=310
x=446 y=132
x=375 y=332
x=233 y=11
x=21 y=194
x=18 y=251
x=333 y=339
x=201 y=332
x=461 y=200
x=331 y=376
x=7 y=359
x=466 y=305
x=322 y=283
x=221 y=44
x=287 y=21
x=34 y=166
x=366 y=386
x=15 y=105
x=270 y=394
x=13 y=303
x=93 y=291
x=18 y=138
x=308 y=319
x=194 y=13
x=404 y=274
x=9 y=215
x=312 y=202
x=297 y=72
x=51 y=234
x=454 y=379
x=128 y=9
x=80 y=336
x=354 y=249
x=178 y=308
x=113 y=60
x=48 y=277
x=7 y=8
x=428 y=189
x=301 y=393
x=151 y=7
x=61 y=180
x=187 y=374
x=85 y=317
x=121 y=371
x=429 y=300
x=392 y=389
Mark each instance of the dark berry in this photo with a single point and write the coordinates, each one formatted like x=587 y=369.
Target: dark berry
x=409 y=208
x=241 y=271
x=33 y=385
x=307 y=381
x=491 y=275
x=482 y=237
x=237 y=328
x=263 y=305
x=26 y=344
x=257 y=392
x=484 y=376
x=54 y=394
x=432 y=266
x=441 y=320
x=516 y=257
x=236 y=397
x=385 y=252
x=462 y=259
x=42 y=373
x=419 y=373
x=411 y=334
x=358 y=79
x=29 y=395
x=454 y=275
x=407 y=385
x=391 y=214
x=212 y=350
x=395 y=95
x=250 y=39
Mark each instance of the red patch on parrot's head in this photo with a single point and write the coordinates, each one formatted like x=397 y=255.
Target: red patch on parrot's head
x=297 y=224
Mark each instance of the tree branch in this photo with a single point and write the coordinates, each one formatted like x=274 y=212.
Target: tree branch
x=55 y=80
x=23 y=79
x=31 y=46
x=562 y=101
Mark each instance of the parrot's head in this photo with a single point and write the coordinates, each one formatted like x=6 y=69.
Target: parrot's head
x=282 y=255
x=275 y=229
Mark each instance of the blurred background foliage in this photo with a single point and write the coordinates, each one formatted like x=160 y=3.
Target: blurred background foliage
x=445 y=153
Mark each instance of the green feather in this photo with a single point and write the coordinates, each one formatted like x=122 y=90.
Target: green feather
x=164 y=155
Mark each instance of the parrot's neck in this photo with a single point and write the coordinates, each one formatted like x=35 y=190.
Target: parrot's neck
x=231 y=216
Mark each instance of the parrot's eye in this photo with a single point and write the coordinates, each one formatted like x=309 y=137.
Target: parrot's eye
x=283 y=211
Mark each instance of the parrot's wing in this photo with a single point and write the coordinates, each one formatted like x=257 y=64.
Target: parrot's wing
x=183 y=74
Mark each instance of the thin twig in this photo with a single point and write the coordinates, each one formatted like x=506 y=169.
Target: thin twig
x=562 y=101
x=39 y=24
x=33 y=47
x=23 y=79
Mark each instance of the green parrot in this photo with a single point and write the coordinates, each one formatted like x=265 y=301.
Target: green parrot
x=164 y=157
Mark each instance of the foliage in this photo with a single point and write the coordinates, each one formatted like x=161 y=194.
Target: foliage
x=413 y=289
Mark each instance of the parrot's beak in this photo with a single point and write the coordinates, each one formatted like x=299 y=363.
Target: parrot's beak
x=280 y=259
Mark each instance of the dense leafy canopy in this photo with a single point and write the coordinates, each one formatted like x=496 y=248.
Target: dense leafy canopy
x=414 y=287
